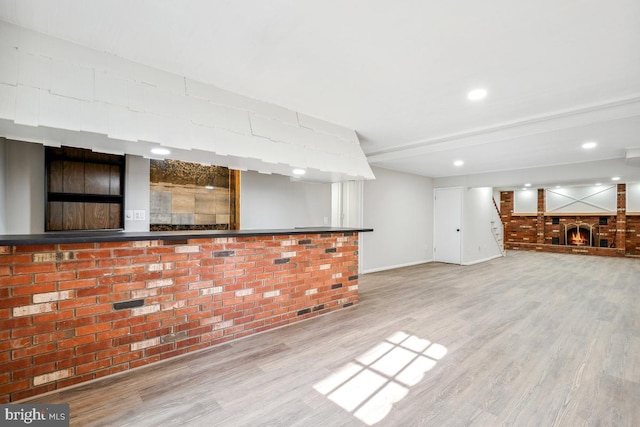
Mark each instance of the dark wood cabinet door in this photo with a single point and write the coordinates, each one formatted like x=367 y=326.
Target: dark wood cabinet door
x=85 y=190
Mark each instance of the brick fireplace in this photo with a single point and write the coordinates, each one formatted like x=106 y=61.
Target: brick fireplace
x=603 y=234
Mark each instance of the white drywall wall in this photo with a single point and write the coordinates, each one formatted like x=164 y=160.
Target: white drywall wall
x=3 y=196
x=525 y=201
x=137 y=192
x=478 y=242
x=276 y=201
x=399 y=207
x=24 y=188
x=633 y=197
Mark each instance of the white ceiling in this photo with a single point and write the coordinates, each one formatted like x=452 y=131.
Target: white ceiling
x=558 y=73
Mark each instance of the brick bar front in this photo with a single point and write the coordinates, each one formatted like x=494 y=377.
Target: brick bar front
x=74 y=312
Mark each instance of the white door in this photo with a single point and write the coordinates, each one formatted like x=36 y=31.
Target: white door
x=447 y=241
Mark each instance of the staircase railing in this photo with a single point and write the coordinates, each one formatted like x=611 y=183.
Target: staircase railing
x=497 y=228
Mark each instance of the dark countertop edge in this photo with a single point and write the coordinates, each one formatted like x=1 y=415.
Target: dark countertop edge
x=125 y=236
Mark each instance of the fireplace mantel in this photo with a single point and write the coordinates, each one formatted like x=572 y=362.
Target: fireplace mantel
x=580 y=213
x=550 y=214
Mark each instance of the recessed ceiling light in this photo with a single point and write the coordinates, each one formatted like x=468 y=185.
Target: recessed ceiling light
x=477 y=94
x=527 y=185
x=458 y=163
x=589 y=145
x=160 y=151
x=557 y=186
x=209 y=187
x=598 y=183
x=299 y=171
x=615 y=178
x=525 y=189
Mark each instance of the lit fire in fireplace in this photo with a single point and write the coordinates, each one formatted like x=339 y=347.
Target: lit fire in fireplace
x=579 y=238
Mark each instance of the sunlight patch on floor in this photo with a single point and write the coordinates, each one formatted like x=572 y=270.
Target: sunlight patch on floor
x=370 y=385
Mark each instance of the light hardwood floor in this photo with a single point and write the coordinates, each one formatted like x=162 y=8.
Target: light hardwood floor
x=531 y=339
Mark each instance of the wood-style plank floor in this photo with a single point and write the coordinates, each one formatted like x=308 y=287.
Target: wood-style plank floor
x=532 y=339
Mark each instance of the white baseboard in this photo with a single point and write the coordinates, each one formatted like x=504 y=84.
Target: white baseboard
x=483 y=260
x=391 y=267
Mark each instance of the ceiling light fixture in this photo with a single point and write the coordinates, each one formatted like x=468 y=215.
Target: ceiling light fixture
x=615 y=178
x=598 y=183
x=589 y=145
x=458 y=163
x=299 y=172
x=527 y=185
x=477 y=94
x=160 y=151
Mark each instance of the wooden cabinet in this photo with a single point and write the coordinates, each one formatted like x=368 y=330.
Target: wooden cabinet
x=85 y=190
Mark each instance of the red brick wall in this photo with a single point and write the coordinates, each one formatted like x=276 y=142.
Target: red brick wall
x=621 y=240
x=522 y=229
x=506 y=207
x=540 y=219
x=72 y=313
x=633 y=235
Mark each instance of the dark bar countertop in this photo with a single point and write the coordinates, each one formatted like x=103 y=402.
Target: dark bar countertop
x=124 y=236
